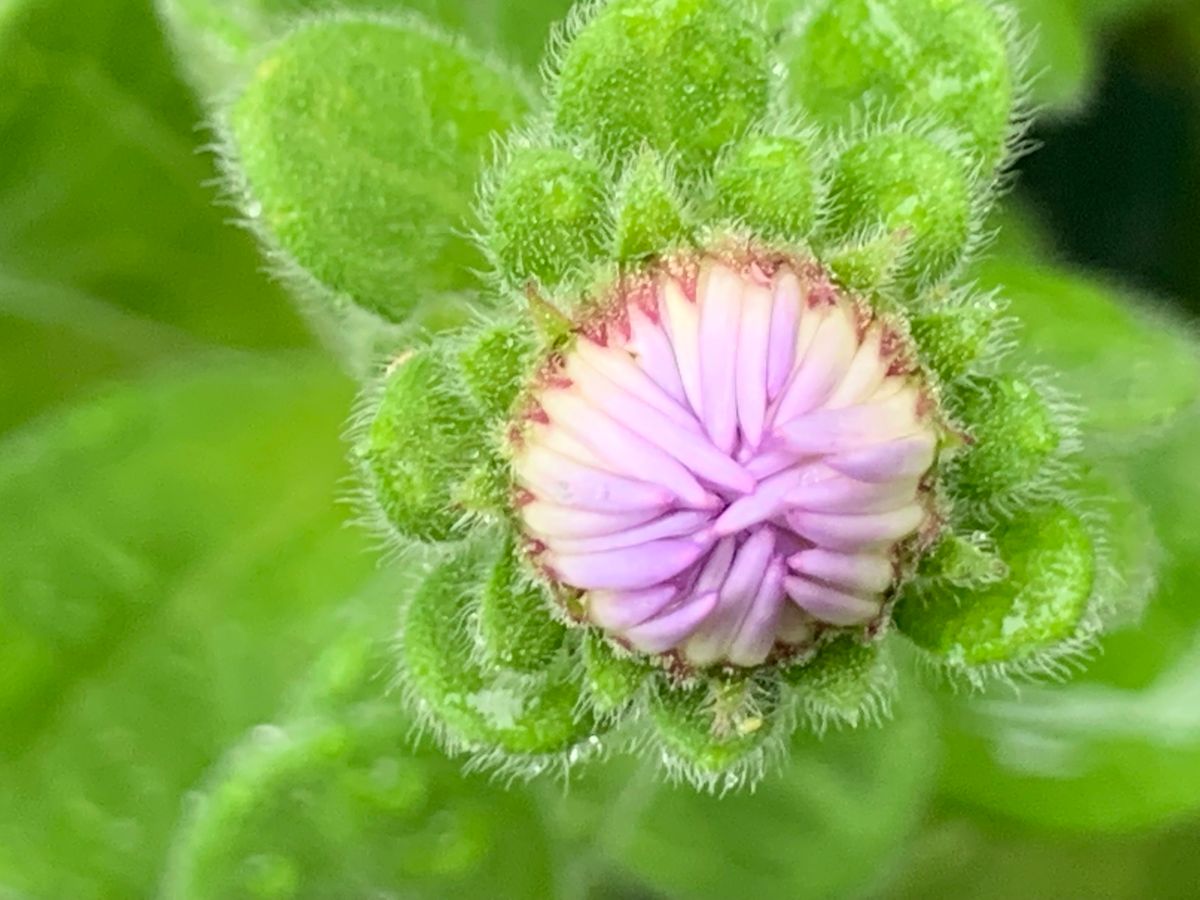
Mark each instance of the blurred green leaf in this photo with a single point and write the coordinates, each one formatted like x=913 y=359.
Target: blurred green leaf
x=1118 y=748
x=112 y=252
x=337 y=802
x=169 y=560
x=965 y=858
x=359 y=141
x=840 y=807
x=217 y=38
x=1133 y=367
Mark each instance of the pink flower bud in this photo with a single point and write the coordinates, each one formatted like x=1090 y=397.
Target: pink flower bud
x=725 y=460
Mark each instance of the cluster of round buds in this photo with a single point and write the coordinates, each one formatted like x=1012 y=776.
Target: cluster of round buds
x=736 y=424
x=729 y=457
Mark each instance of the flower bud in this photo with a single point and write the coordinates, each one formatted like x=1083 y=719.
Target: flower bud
x=727 y=460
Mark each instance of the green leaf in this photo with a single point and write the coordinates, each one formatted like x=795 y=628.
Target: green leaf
x=1118 y=748
x=112 y=252
x=1133 y=366
x=338 y=807
x=905 y=60
x=217 y=38
x=357 y=144
x=176 y=551
x=839 y=808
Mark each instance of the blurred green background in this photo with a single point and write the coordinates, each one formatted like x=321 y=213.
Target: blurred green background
x=192 y=690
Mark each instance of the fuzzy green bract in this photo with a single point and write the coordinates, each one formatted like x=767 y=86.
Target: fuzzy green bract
x=359 y=142
x=391 y=169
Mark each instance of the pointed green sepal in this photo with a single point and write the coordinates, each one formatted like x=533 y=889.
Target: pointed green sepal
x=547 y=215
x=472 y=705
x=612 y=679
x=516 y=625
x=715 y=733
x=951 y=62
x=1015 y=432
x=909 y=184
x=495 y=362
x=650 y=213
x=419 y=442
x=1020 y=623
x=955 y=332
x=769 y=184
x=849 y=682
x=682 y=76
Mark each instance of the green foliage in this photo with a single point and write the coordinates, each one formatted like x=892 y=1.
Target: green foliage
x=218 y=39
x=769 y=184
x=144 y=628
x=546 y=215
x=1056 y=756
x=818 y=828
x=359 y=142
x=903 y=60
x=1132 y=367
x=112 y=255
x=419 y=444
x=682 y=76
x=337 y=807
x=906 y=183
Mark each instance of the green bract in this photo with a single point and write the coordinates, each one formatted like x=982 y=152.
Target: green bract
x=860 y=152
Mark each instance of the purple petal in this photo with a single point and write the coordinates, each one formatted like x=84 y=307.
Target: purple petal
x=619 y=447
x=677 y=524
x=785 y=318
x=752 y=362
x=545 y=519
x=566 y=482
x=821 y=369
x=673 y=627
x=853 y=533
x=654 y=354
x=859 y=573
x=620 y=368
x=711 y=641
x=828 y=431
x=769 y=499
x=627 y=569
x=682 y=320
x=720 y=322
x=840 y=494
x=618 y=610
x=905 y=458
x=866 y=373
x=829 y=604
x=756 y=635
x=691 y=448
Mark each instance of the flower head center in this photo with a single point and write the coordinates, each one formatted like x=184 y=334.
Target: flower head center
x=726 y=460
